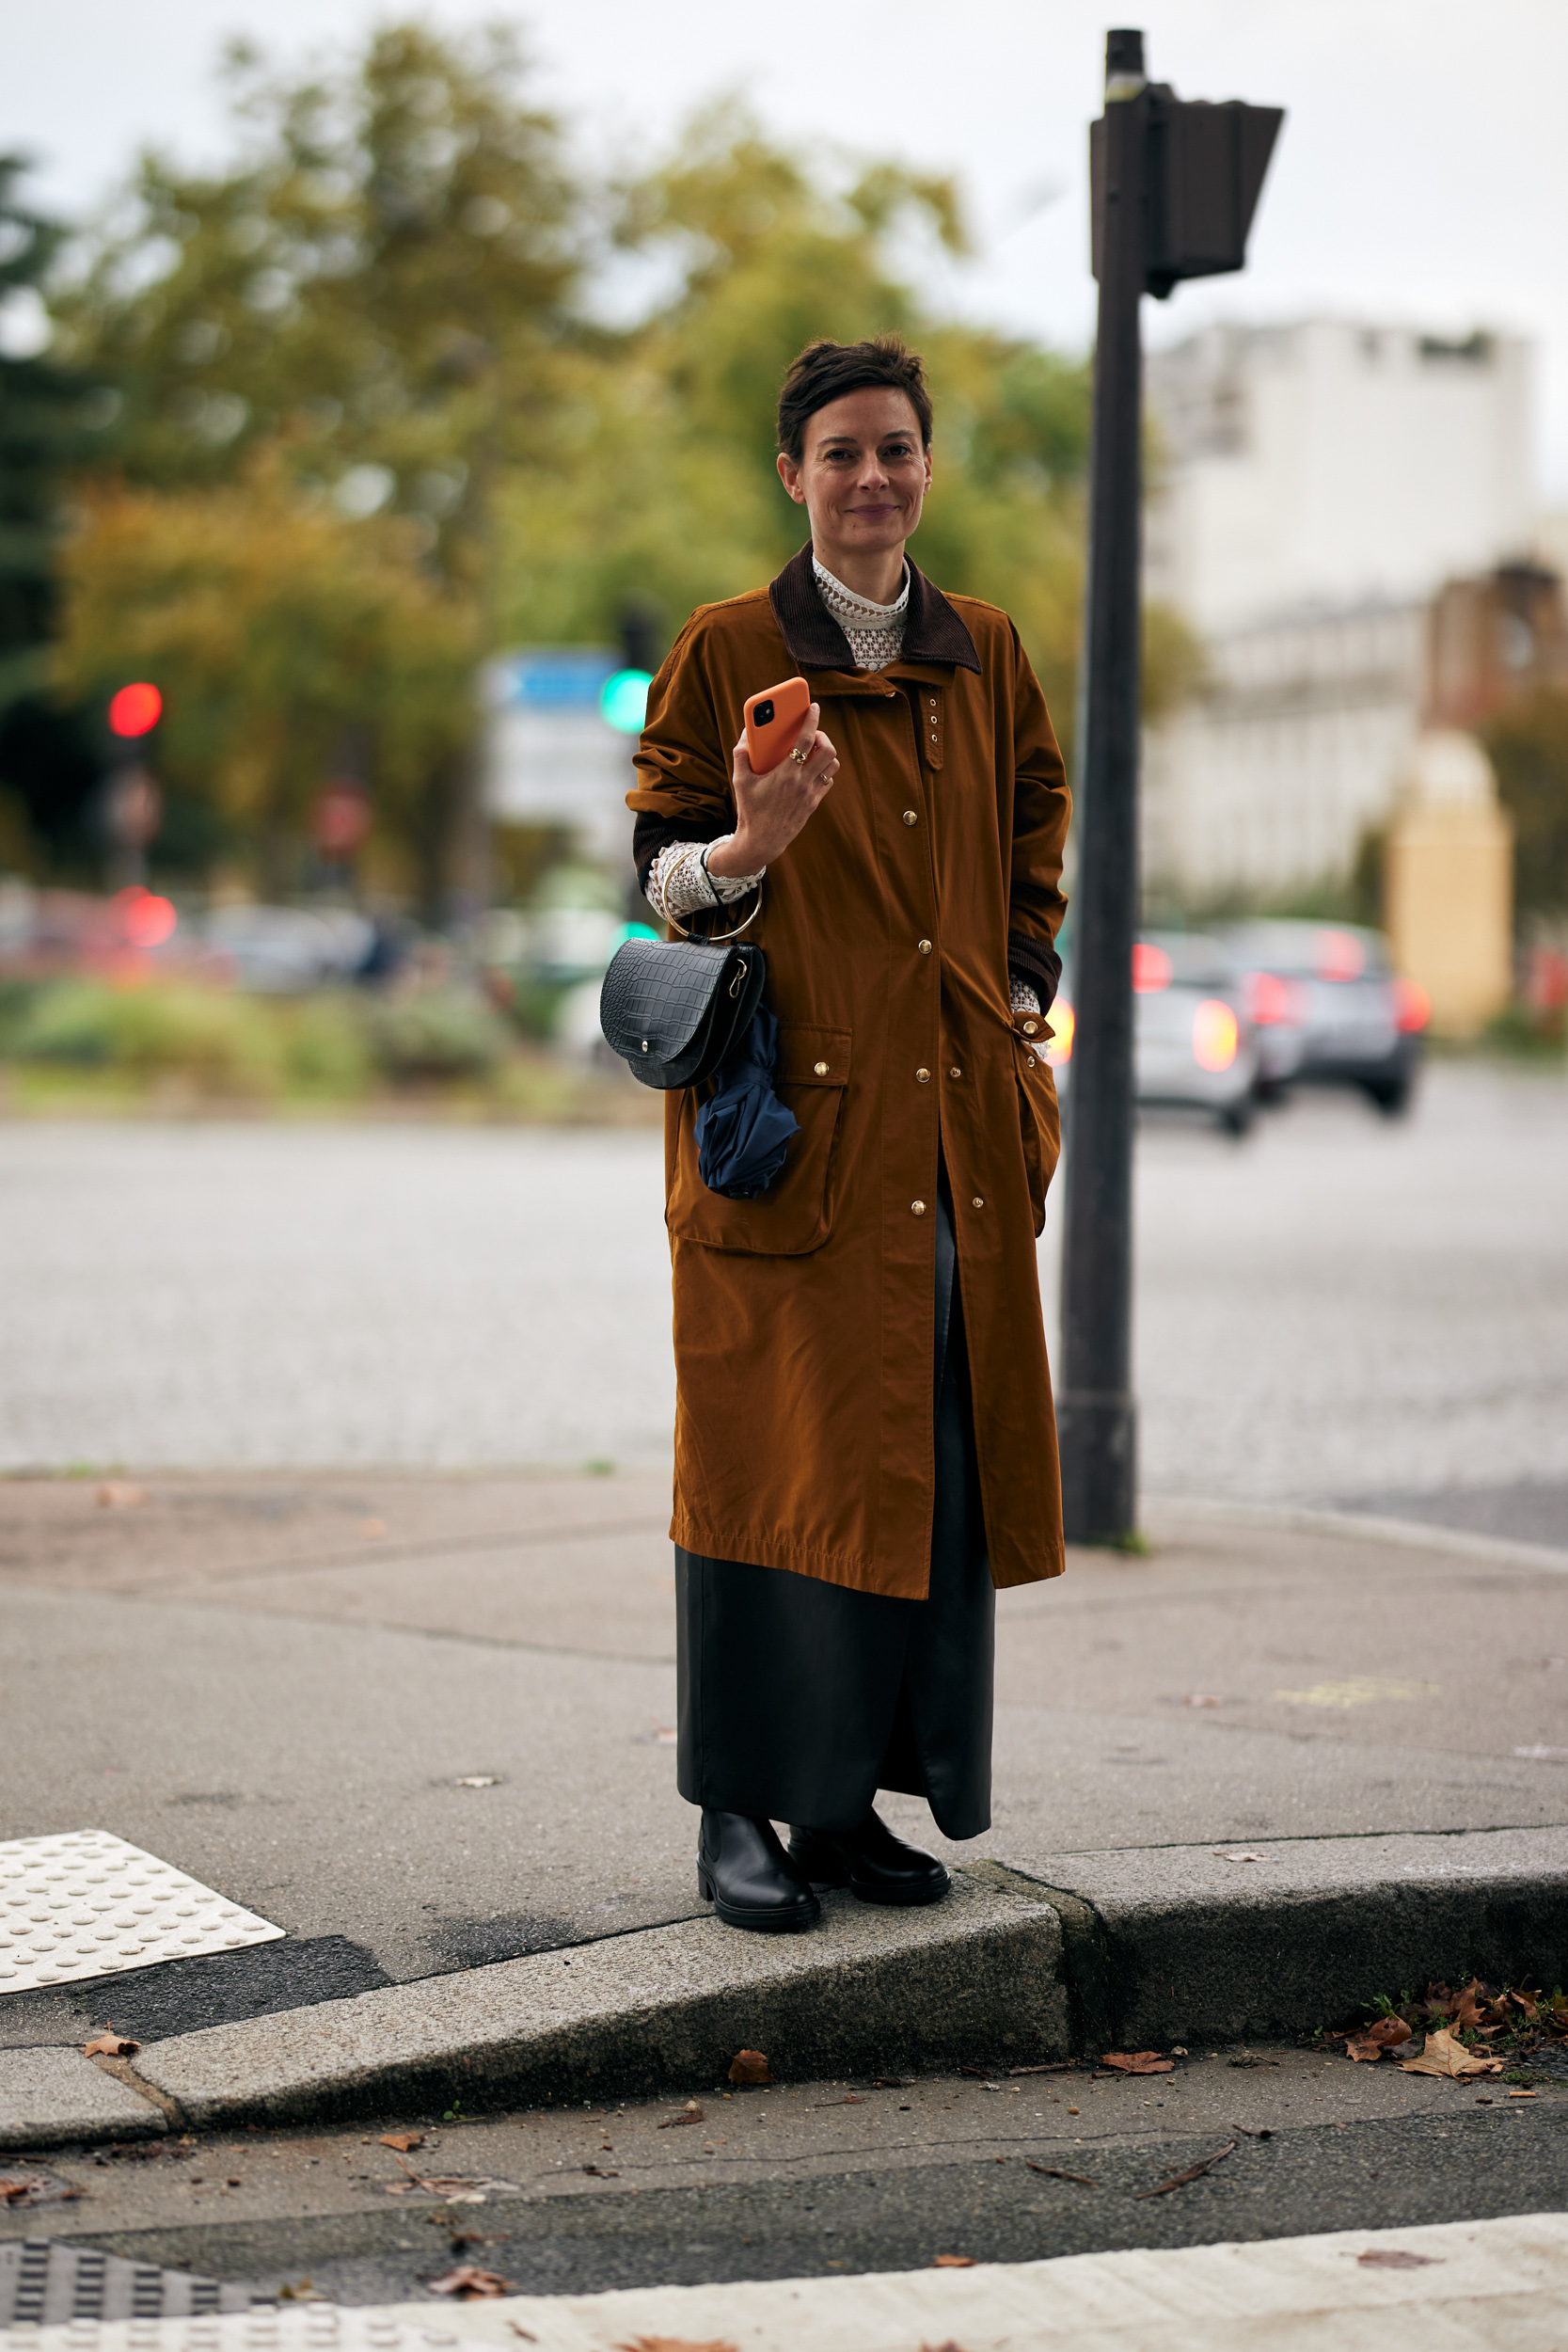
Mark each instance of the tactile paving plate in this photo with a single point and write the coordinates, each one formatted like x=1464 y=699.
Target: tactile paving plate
x=265 y=2327
x=86 y=1904
x=44 y=2283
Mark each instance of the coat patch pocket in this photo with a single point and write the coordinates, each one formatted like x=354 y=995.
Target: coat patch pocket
x=1040 y=1124
x=796 y=1214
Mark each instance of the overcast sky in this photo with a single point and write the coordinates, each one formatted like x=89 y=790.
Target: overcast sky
x=1422 y=174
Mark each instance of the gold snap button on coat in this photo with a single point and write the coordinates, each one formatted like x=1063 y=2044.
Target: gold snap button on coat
x=954 y=1072
x=976 y=1202
x=925 y=946
x=820 y=1068
x=912 y=816
x=917 y=1208
x=923 y=1075
x=1030 y=1028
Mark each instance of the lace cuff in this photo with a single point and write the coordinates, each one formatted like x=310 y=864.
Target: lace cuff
x=678 y=882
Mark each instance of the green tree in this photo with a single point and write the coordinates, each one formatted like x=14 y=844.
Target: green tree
x=1528 y=748
x=273 y=626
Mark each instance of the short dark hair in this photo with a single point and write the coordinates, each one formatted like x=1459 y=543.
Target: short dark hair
x=827 y=371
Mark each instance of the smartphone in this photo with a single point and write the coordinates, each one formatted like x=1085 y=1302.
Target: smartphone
x=773 y=719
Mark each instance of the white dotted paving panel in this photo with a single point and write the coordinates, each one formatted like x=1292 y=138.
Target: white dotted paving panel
x=88 y=1905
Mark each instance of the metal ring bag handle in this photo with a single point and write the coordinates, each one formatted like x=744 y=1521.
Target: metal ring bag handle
x=723 y=938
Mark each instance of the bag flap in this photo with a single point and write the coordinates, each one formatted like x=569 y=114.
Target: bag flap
x=660 y=991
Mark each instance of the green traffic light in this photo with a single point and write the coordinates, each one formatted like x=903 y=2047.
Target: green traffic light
x=624 y=700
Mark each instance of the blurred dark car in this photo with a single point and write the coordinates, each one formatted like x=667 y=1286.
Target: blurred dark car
x=1329 y=1008
x=1194 y=1045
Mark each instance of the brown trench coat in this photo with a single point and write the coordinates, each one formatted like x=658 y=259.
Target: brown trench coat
x=803 y=1320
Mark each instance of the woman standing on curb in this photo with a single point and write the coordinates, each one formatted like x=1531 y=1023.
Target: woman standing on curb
x=864 y=1442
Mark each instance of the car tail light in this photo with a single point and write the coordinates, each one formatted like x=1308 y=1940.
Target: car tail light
x=1271 y=1001
x=1341 y=956
x=1151 y=968
x=1411 y=1005
x=1061 y=1024
x=1216 y=1035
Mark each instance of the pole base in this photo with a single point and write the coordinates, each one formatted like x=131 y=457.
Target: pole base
x=1097 y=1435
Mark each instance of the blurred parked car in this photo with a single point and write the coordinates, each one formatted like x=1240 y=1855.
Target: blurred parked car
x=1196 y=1047
x=1328 y=1008
x=283 y=951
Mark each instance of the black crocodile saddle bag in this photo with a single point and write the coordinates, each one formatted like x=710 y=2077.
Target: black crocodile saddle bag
x=675 y=1010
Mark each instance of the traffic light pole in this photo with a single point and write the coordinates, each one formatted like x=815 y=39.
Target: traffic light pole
x=1096 y=1413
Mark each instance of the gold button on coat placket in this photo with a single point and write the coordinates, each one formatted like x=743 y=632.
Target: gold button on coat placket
x=820 y=1068
x=912 y=816
x=923 y=945
x=923 y=1077
x=954 y=1072
x=976 y=1202
x=917 y=1208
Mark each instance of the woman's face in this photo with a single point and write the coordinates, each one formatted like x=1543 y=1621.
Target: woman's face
x=862 y=474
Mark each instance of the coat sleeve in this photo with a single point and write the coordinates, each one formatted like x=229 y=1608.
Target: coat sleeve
x=682 y=759
x=1043 y=806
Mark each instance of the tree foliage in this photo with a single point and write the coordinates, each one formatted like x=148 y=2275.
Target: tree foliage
x=276 y=628
x=1528 y=748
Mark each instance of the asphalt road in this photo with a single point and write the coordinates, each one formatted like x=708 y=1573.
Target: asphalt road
x=817 y=2179
x=1339 y=1309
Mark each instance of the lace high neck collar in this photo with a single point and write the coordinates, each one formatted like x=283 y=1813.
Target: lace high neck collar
x=857 y=610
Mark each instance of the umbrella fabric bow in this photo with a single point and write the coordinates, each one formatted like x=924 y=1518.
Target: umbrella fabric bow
x=743 y=1131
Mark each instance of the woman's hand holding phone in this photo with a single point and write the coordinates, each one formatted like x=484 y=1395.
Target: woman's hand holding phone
x=771 y=808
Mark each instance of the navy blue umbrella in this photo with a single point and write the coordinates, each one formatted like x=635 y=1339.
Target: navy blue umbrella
x=743 y=1131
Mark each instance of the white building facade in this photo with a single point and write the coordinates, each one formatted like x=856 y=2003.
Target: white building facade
x=1317 y=483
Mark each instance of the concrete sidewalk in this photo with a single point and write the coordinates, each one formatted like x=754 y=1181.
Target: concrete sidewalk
x=1242 y=1785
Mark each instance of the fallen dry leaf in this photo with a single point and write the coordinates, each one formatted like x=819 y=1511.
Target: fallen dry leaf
x=118 y=1494
x=402 y=2141
x=1193 y=2173
x=1051 y=2173
x=1200 y=1698
x=1363 y=2048
x=675 y=2343
x=953 y=2261
x=1444 y=2055
x=1138 y=2063
x=468 y=2282
x=20 y=2185
x=1395 y=2258
x=1389 y=2033
x=690 y=2113
x=750 y=2066
x=597 y=2173
x=110 y=2044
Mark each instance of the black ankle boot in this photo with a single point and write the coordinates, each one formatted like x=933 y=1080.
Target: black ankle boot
x=870 y=1862
x=745 y=1873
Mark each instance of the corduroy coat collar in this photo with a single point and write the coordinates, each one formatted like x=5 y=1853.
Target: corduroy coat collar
x=932 y=630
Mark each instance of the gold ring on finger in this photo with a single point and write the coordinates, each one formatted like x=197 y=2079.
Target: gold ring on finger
x=799 y=757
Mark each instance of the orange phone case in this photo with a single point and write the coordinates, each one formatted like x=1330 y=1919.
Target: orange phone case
x=773 y=719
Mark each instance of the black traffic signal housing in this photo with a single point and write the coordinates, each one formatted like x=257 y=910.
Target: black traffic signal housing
x=1203 y=173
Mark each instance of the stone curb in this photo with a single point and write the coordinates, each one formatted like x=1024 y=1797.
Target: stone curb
x=1067 y=1954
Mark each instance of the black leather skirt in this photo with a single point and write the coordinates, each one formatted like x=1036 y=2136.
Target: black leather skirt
x=797 y=1700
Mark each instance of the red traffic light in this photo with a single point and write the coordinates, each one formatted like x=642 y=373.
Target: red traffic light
x=135 y=710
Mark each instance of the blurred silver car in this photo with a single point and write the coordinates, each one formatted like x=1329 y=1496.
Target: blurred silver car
x=1328 y=1008
x=1195 y=1046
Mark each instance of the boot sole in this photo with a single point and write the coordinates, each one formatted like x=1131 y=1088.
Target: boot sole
x=760 y=1922
x=902 y=1899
